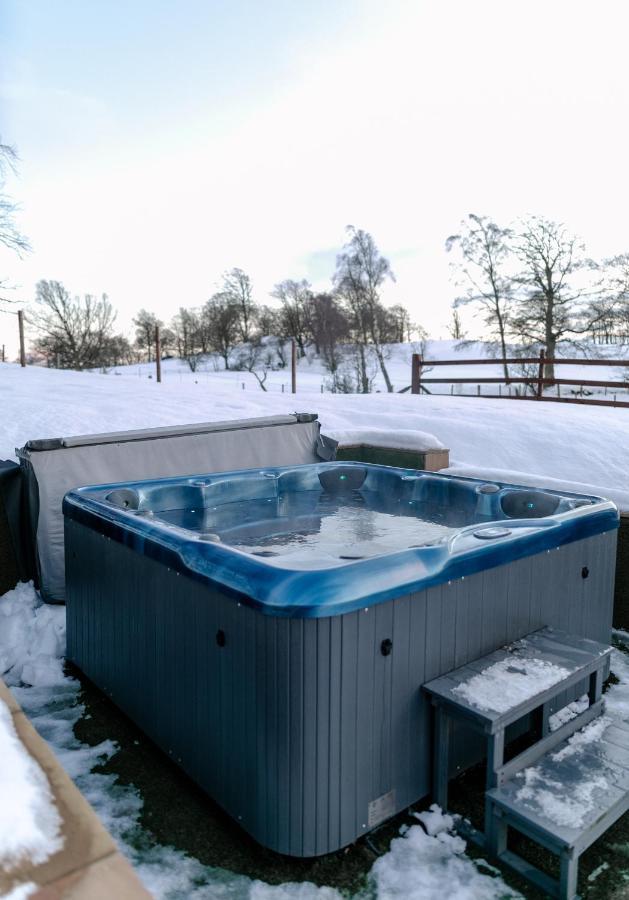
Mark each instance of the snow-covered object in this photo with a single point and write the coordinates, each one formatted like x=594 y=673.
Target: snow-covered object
x=30 y=824
x=550 y=798
x=509 y=682
x=569 y=712
x=400 y=438
x=32 y=638
x=590 y=734
x=548 y=795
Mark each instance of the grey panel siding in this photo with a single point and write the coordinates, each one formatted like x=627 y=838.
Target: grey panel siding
x=296 y=725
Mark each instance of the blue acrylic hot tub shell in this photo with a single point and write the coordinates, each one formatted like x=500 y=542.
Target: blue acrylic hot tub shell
x=282 y=590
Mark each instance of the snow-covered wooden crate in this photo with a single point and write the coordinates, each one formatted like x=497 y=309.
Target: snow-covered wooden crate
x=402 y=448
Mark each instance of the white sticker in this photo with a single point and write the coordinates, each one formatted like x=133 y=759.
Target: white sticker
x=381 y=808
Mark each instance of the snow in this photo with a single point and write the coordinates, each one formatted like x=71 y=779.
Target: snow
x=401 y=438
x=30 y=825
x=21 y=891
x=580 y=739
x=32 y=638
x=509 y=682
x=566 y=802
x=433 y=866
x=549 y=798
x=427 y=861
x=569 y=712
x=581 y=448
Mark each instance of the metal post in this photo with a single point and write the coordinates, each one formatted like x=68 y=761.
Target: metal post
x=158 y=355
x=293 y=366
x=540 y=374
x=20 y=322
x=3 y=353
x=416 y=369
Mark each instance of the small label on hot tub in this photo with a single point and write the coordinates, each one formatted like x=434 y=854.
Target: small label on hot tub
x=381 y=808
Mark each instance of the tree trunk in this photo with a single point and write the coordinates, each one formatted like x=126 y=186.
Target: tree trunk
x=503 y=342
x=364 y=379
x=551 y=346
x=383 y=369
x=550 y=339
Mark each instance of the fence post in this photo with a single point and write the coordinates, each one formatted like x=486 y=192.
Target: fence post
x=20 y=323
x=416 y=369
x=540 y=375
x=158 y=355
x=293 y=367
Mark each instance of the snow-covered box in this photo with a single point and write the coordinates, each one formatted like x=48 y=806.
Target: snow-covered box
x=271 y=629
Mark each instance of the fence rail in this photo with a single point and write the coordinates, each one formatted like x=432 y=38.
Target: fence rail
x=537 y=382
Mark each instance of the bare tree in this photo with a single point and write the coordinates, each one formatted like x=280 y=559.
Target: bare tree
x=10 y=235
x=238 y=289
x=613 y=324
x=220 y=318
x=296 y=299
x=556 y=292
x=72 y=330
x=484 y=249
x=145 y=324
x=360 y=273
x=257 y=357
x=398 y=324
x=187 y=330
x=330 y=328
x=455 y=328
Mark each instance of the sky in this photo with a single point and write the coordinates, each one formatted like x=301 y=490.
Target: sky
x=162 y=143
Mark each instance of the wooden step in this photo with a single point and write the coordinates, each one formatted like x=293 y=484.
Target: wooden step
x=567 y=800
x=518 y=681
x=570 y=657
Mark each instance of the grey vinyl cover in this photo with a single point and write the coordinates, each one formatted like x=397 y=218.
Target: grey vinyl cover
x=54 y=466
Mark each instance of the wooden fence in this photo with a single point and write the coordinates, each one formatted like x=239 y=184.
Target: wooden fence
x=535 y=383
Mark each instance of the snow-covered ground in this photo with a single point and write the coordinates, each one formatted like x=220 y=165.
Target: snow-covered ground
x=312 y=376
x=570 y=447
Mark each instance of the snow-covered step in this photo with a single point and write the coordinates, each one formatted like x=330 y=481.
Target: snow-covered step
x=499 y=689
x=565 y=802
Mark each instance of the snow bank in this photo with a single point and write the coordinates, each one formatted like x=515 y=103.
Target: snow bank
x=582 y=448
x=30 y=825
x=509 y=682
x=32 y=638
x=433 y=866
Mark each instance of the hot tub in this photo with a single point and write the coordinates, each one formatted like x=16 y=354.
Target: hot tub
x=271 y=629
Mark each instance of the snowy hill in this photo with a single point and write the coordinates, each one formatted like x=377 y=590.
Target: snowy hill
x=582 y=448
